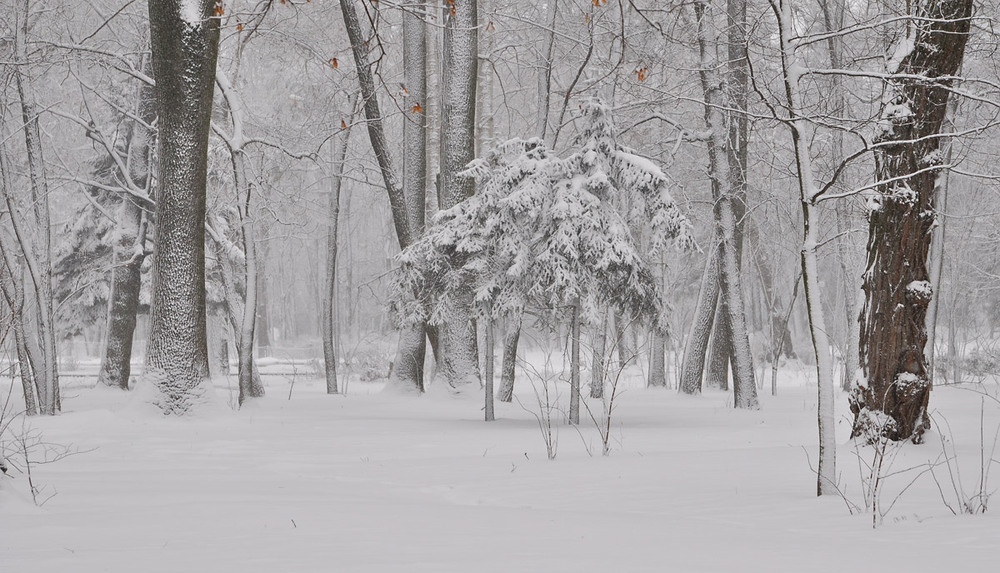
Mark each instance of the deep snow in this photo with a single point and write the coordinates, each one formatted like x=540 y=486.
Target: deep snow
x=379 y=482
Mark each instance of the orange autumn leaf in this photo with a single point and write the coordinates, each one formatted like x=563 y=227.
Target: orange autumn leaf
x=333 y=63
x=239 y=27
x=343 y=124
x=641 y=74
x=417 y=108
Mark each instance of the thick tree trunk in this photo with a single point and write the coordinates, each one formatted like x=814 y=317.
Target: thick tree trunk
x=896 y=286
x=185 y=48
x=458 y=138
x=408 y=367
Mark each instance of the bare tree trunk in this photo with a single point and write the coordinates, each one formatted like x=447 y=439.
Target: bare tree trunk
x=511 y=335
x=14 y=297
x=129 y=250
x=545 y=70
x=458 y=133
x=727 y=220
x=36 y=246
x=408 y=367
x=599 y=360
x=625 y=352
x=488 y=368
x=184 y=57
x=657 y=360
x=574 y=366
x=897 y=290
x=720 y=350
x=329 y=324
x=940 y=200
x=826 y=476
x=693 y=362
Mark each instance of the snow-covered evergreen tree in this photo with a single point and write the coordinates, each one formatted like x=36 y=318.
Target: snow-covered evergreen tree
x=547 y=232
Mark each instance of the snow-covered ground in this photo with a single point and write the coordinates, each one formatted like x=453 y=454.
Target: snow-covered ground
x=374 y=481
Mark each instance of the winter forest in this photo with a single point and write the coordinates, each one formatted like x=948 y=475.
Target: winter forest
x=494 y=285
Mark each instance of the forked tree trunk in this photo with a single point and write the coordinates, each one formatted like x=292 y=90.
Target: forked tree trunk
x=908 y=162
x=184 y=58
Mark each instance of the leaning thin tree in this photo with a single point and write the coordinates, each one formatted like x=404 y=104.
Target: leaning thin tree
x=908 y=161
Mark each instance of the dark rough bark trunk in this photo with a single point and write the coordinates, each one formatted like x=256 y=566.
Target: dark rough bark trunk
x=184 y=58
x=129 y=252
x=458 y=139
x=896 y=286
x=510 y=339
